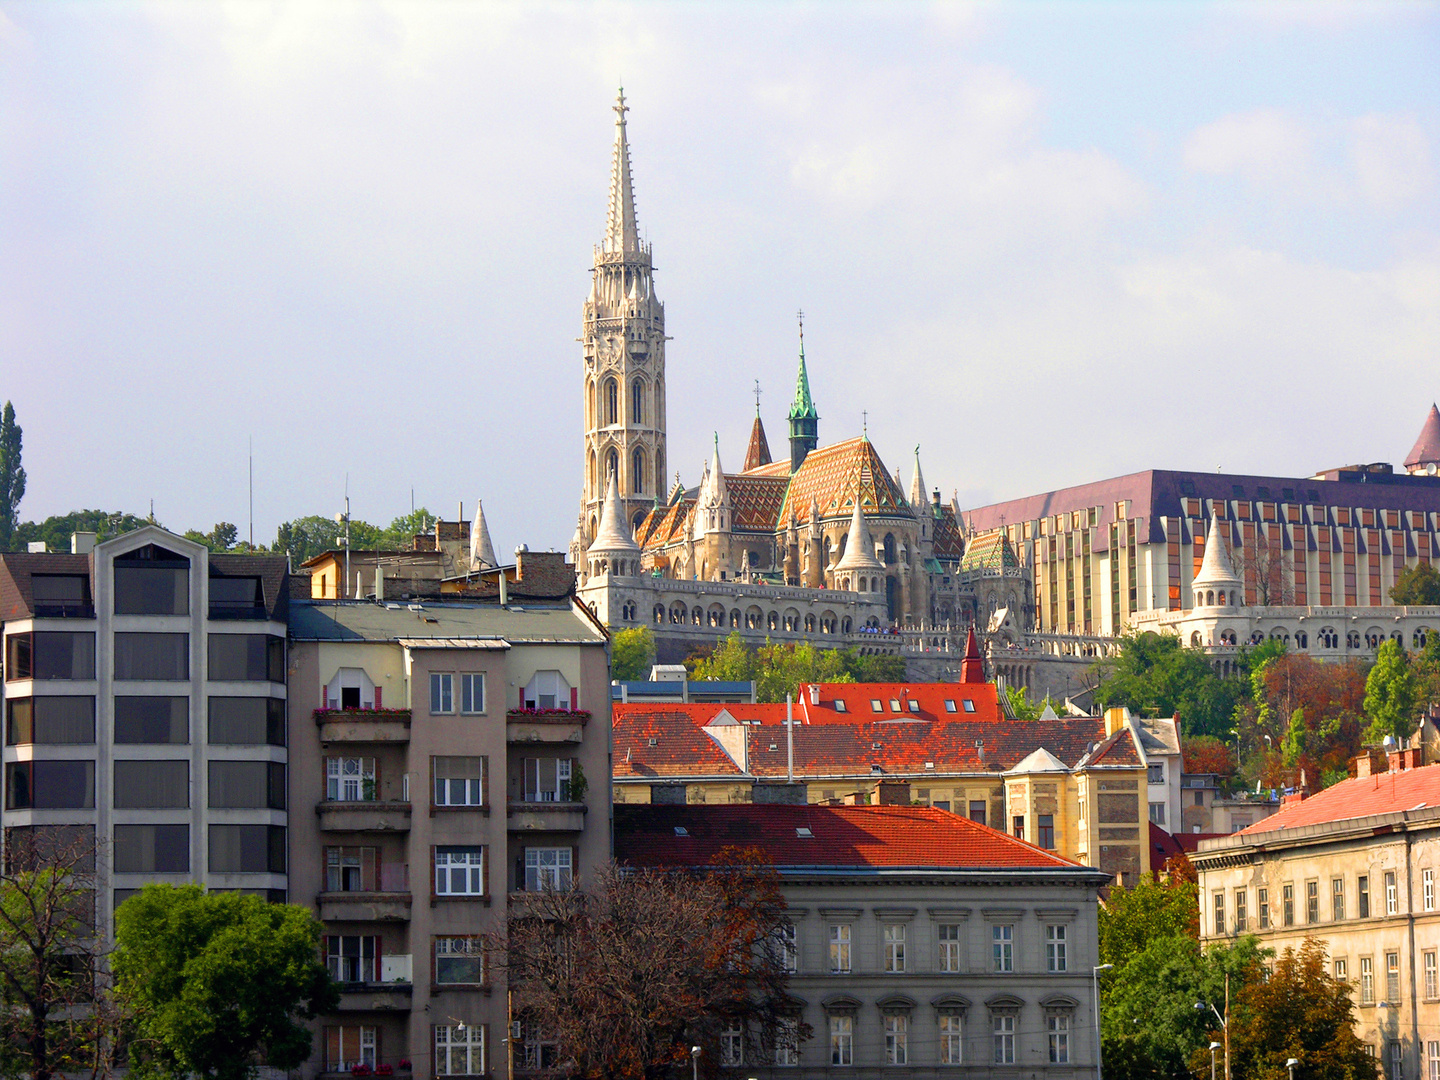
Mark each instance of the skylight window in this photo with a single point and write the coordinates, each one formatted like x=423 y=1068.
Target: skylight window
x=875 y=705
x=949 y=704
x=914 y=706
x=680 y=830
x=894 y=704
x=840 y=706
x=969 y=705
x=803 y=833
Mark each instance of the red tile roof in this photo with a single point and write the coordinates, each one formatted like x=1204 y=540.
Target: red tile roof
x=1364 y=796
x=665 y=741
x=872 y=837
x=755 y=502
x=895 y=702
x=758 y=452
x=1427 y=446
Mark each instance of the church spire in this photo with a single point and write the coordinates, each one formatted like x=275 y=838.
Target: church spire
x=621 y=234
x=917 y=485
x=804 y=420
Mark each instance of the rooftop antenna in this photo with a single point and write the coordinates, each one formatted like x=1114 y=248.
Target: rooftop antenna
x=252 y=492
x=344 y=519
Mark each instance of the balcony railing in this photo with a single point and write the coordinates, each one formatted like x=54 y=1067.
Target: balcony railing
x=368 y=816
x=545 y=816
x=64 y=609
x=545 y=725
x=363 y=725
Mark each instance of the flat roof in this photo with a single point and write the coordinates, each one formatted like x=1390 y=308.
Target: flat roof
x=434 y=621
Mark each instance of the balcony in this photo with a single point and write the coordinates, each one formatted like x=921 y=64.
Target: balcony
x=364 y=906
x=398 y=1068
x=375 y=997
x=545 y=817
x=545 y=725
x=371 y=816
x=363 y=725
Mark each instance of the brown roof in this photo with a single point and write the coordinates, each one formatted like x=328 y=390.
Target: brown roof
x=758 y=452
x=17 y=599
x=1427 y=446
x=1364 y=796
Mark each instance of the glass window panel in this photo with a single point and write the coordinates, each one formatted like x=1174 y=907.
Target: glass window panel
x=238 y=597
x=152 y=785
x=239 y=784
x=61 y=595
x=50 y=785
x=247 y=849
x=162 y=657
x=63 y=654
x=247 y=658
x=152 y=849
x=459 y=960
x=247 y=721
x=50 y=720
x=152 y=590
x=152 y=720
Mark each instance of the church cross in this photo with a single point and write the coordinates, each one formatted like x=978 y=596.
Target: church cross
x=757 y=397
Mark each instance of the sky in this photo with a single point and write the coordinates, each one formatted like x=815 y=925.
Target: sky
x=1045 y=243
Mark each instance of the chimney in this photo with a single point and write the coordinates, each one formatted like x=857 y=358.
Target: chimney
x=893 y=793
x=82 y=543
x=1400 y=760
x=814 y=693
x=772 y=794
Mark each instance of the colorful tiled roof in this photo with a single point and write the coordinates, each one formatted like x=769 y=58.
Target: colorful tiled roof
x=931 y=701
x=1364 y=796
x=664 y=524
x=758 y=452
x=833 y=475
x=949 y=544
x=799 y=837
x=989 y=551
x=755 y=502
x=1117 y=751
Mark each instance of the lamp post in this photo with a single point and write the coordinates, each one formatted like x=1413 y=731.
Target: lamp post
x=695 y=1063
x=1291 y=1066
x=1095 y=981
x=1224 y=1022
x=1213 y=1047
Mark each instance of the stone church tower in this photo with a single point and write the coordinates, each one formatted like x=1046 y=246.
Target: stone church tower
x=624 y=346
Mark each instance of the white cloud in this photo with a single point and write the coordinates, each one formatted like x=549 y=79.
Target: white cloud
x=1391 y=156
x=1264 y=145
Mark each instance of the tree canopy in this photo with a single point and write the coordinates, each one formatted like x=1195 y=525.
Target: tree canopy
x=12 y=475
x=1155 y=675
x=632 y=652
x=1417 y=585
x=217 y=983
x=1392 y=693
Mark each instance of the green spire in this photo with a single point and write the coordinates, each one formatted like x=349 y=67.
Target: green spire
x=803 y=407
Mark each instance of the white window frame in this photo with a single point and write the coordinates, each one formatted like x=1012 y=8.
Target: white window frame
x=840 y=942
x=1002 y=948
x=1002 y=1027
x=1367 y=980
x=952 y=1037
x=1056 y=948
x=345 y=778
x=549 y=868
x=1342 y=969
x=442 y=693
x=787 y=1042
x=466 y=1039
x=732 y=1046
x=1392 y=978
x=787 y=938
x=550 y=684
x=1427 y=884
x=1057 y=1032
x=1432 y=976
x=462 y=866
x=533 y=791
x=1432 y=1053
x=469 y=789
x=842 y=1039
x=893 y=938
x=470 y=683
x=1392 y=894
x=951 y=948
x=459 y=945
x=897 y=1039
x=366 y=962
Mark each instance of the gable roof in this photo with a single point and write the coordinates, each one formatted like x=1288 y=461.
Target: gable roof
x=931 y=701
x=839 y=837
x=1363 y=796
x=755 y=502
x=990 y=551
x=665 y=741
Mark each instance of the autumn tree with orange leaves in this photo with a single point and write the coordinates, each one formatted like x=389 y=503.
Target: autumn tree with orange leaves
x=1313 y=712
x=624 y=977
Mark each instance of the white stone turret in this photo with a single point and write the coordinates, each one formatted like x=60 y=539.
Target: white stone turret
x=482 y=551
x=858 y=570
x=1217 y=584
x=613 y=551
x=712 y=510
x=918 y=499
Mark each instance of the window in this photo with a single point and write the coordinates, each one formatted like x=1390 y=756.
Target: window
x=949 y=704
x=145 y=785
x=914 y=705
x=875 y=705
x=547 y=690
x=472 y=693
x=350 y=779
x=1155 y=774
x=152 y=849
x=247 y=785
x=1367 y=981
x=1262 y=905
x=50 y=654
x=1157 y=813
x=787 y=1041
x=459 y=1049
x=350 y=869
x=158 y=585
x=1003 y=1025
x=50 y=785
x=840 y=705
x=1057 y=1027
x=459 y=871
x=1364 y=889
x=247 y=658
x=1046 y=831
x=56 y=721
x=977 y=810
x=247 y=849
x=460 y=960
x=61 y=596
x=1342 y=969
x=548 y=868
x=840 y=948
x=548 y=779
x=1241 y=914
x=1312 y=901
x=352 y=959
x=442 y=692
x=1427 y=889
x=1392 y=977
x=152 y=720
x=950 y=945
x=247 y=721
x=952 y=1037
x=1055 y=948
x=1337 y=899
x=236 y=598
x=152 y=657
x=1017 y=826
x=459 y=781
x=347 y=1047
x=1432 y=1055
x=1219 y=899
x=1288 y=903
x=540 y=1050
x=968 y=704
x=1392 y=897
x=1432 y=979
x=786 y=942
x=1394 y=1060
x=897 y=1039
x=732 y=1045
x=842 y=1040
x=894 y=943
x=1002 y=940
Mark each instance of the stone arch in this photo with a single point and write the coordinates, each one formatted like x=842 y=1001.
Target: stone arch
x=679 y=615
x=612 y=466
x=637 y=520
x=658 y=613
x=845 y=625
x=772 y=620
x=889 y=546
x=790 y=621
x=735 y=618
x=754 y=617
x=1302 y=639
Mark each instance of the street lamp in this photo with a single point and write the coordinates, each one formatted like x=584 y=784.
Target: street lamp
x=1201 y=1006
x=1291 y=1066
x=1095 y=980
x=695 y=1063
x=1213 y=1047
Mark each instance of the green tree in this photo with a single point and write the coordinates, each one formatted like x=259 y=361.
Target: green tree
x=1132 y=917
x=306 y=537
x=1021 y=705
x=1417 y=586
x=56 y=531
x=1391 y=694
x=222 y=538
x=729 y=660
x=400 y=533
x=873 y=667
x=1154 y=675
x=217 y=983
x=12 y=476
x=1298 y=1012
x=777 y=669
x=632 y=652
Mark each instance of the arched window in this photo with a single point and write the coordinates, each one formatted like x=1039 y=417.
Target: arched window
x=612 y=466
x=592 y=470
x=637 y=470
x=845 y=625
x=612 y=402
x=889 y=548
x=590 y=404
x=639 y=518
x=660 y=472
x=1302 y=640
x=659 y=613
x=637 y=401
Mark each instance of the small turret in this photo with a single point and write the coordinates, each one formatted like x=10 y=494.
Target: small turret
x=1217 y=584
x=858 y=570
x=1424 y=456
x=613 y=551
x=804 y=420
x=482 y=551
x=972 y=667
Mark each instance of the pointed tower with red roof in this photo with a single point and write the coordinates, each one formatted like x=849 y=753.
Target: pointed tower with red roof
x=1424 y=457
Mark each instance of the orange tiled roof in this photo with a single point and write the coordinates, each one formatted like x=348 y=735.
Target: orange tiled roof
x=892 y=837
x=1117 y=751
x=755 y=501
x=1364 y=796
x=665 y=523
x=665 y=741
x=832 y=475
x=932 y=701
x=949 y=544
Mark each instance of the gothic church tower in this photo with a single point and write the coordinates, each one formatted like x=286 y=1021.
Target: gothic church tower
x=624 y=345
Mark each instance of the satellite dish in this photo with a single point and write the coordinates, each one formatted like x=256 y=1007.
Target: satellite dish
x=1430 y=469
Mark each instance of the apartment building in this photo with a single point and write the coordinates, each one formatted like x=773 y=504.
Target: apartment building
x=145 y=708
x=1356 y=866
x=921 y=943
x=447 y=758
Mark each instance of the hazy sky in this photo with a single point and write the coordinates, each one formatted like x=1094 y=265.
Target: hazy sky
x=1047 y=243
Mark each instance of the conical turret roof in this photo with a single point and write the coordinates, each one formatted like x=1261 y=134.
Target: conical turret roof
x=917 y=484
x=1426 y=450
x=758 y=452
x=803 y=407
x=482 y=551
x=613 y=534
x=859 y=548
x=1216 y=569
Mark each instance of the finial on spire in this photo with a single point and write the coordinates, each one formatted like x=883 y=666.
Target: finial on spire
x=800 y=315
x=865 y=424
x=621 y=234
x=757 y=397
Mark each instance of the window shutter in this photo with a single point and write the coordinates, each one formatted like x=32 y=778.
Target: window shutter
x=574 y=698
x=333 y=1056
x=379 y=690
x=574 y=864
